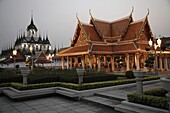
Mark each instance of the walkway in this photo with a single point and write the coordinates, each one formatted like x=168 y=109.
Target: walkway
x=60 y=104
x=54 y=104
x=121 y=93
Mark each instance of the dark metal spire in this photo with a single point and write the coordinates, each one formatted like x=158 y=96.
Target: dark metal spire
x=32 y=26
x=32 y=17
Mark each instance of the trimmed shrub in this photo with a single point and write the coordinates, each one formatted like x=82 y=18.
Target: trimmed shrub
x=69 y=76
x=129 y=74
x=33 y=79
x=17 y=66
x=147 y=78
x=68 y=79
x=5 y=84
x=160 y=92
x=44 y=85
x=2 y=69
x=72 y=85
x=154 y=101
x=10 y=78
x=97 y=78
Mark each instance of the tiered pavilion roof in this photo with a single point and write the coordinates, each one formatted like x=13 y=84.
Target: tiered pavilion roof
x=102 y=37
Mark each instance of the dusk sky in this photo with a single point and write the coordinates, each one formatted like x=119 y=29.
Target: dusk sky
x=58 y=17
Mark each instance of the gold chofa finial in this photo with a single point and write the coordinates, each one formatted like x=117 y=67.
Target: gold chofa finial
x=148 y=12
x=71 y=40
x=90 y=12
x=77 y=15
x=132 y=9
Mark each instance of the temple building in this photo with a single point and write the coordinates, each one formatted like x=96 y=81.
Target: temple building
x=120 y=45
x=33 y=39
x=27 y=45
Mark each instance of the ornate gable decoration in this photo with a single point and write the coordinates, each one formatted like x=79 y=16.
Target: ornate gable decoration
x=81 y=39
x=145 y=31
x=80 y=35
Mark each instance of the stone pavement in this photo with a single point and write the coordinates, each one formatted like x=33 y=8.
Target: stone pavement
x=54 y=104
x=115 y=96
x=121 y=93
x=60 y=104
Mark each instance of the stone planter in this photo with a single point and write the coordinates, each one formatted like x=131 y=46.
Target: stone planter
x=80 y=73
x=139 y=77
x=166 y=86
x=24 y=72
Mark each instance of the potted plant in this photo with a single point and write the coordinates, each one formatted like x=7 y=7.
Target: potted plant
x=80 y=71
x=149 y=63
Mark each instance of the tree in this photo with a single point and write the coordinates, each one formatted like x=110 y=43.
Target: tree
x=149 y=63
x=17 y=67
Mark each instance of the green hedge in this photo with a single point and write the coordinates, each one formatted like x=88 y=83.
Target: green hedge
x=129 y=74
x=154 y=101
x=34 y=79
x=10 y=78
x=160 y=92
x=42 y=85
x=87 y=78
x=84 y=86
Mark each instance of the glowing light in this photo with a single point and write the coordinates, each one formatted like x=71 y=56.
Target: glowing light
x=159 y=42
x=150 y=42
x=14 y=52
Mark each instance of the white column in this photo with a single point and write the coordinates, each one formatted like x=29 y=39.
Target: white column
x=137 y=61
x=166 y=63
x=75 y=61
x=71 y=63
x=98 y=63
x=127 y=62
x=145 y=57
x=104 y=60
x=90 y=62
x=95 y=61
x=82 y=62
x=160 y=63
x=62 y=64
x=67 y=62
x=113 y=63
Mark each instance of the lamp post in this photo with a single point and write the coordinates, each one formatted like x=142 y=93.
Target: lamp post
x=14 y=52
x=152 y=43
x=50 y=58
x=31 y=50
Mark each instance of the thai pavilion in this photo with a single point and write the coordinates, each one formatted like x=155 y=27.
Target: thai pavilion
x=102 y=44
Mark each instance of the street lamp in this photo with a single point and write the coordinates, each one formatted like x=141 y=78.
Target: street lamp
x=155 y=47
x=52 y=59
x=31 y=50
x=14 y=52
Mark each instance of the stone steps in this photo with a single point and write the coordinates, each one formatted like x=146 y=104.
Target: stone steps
x=110 y=96
x=67 y=93
x=102 y=101
x=129 y=107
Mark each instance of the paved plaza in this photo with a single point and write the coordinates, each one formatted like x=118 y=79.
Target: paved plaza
x=62 y=104
x=54 y=104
